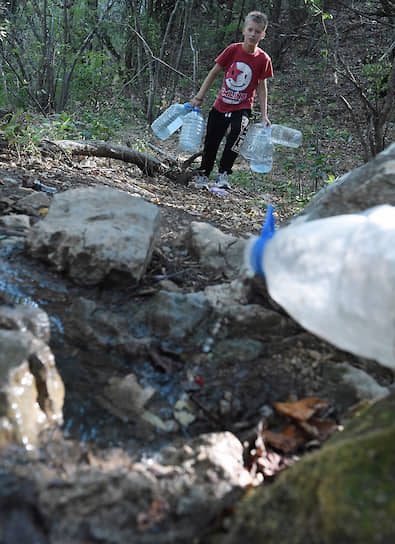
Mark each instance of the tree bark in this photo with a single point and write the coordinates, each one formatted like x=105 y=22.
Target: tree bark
x=97 y=148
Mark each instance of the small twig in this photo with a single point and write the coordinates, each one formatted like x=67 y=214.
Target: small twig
x=12 y=232
x=191 y=159
x=159 y=362
x=388 y=52
x=206 y=411
x=171 y=159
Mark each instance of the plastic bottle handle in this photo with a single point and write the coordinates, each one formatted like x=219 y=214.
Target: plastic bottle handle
x=191 y=108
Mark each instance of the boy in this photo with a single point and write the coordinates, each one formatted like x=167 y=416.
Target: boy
x=246 y=69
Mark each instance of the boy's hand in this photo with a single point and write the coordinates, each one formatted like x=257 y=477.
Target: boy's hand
x=266 y=121
x=196 y=102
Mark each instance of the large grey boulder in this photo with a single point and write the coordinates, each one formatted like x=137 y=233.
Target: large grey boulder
x=362 y=188
x=96 y=233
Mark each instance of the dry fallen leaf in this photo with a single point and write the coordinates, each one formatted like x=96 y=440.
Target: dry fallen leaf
x=319 y=428
x=281 y=441
x=301 y=410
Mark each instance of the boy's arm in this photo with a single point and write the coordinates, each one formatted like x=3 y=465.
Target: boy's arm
x=262 y=97
x=197 y=100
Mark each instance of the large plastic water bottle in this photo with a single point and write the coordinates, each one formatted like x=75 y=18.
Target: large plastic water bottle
x=258 y=148
x=192 y=131
x=287 y=136
x=255 y=141
x=264 y=163
x=336 y=277
x=170 y=120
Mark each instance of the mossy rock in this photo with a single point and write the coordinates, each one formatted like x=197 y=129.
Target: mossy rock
x=344 y=493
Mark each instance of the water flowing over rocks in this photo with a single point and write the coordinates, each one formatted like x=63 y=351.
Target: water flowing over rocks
x=31 y=389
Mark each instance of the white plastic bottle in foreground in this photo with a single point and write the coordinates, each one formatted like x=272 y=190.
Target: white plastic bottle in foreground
x=336 y=277
x=170 y=120
x=287 y=136
x=192 y=131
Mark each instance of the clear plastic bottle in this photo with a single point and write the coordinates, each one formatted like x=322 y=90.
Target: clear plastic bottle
x=192 y=131
x=255 y=141
x=170 y=120
x=289 y=137
x=336 y=277
x=264 y=164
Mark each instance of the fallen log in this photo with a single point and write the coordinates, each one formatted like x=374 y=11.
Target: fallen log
x=98 y=148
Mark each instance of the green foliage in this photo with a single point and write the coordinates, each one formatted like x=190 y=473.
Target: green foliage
x=21 y=133
x=24 y=131
x=243 y=177
x=92 y=76
x=377 y=74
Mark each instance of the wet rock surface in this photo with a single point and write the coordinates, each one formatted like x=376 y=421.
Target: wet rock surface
x=31 y=389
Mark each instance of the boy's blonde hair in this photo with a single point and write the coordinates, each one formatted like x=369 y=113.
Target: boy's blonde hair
x=258 y=18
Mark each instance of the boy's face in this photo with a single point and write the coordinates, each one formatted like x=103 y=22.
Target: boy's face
x=253 y=33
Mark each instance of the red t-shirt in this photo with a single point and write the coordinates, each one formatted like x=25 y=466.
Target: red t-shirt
x=242 y=72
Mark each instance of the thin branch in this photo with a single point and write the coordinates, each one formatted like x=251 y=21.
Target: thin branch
x=351 y=77
x=357 y=126
x=171 y=159
x=154 y=57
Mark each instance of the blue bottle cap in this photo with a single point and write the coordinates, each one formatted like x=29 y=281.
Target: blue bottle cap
x=191 y=108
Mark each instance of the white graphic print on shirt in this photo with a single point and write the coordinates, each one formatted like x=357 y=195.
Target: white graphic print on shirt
x=237 y=79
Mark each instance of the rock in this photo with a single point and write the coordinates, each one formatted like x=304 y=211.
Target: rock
x=15 y=221
x=233 y=349
x=175 y=315
x=32 y=203
x=107 y=505
x=168 y=498
x=126 y=397
x=21 y=318
x=96 y=234
x=100 y=328
x=209 y=467
x=362 y=188
x=168 y=285
x=215 y=249
x=31 y=389
x=20 y=518
x=345 y=492
x=227 y=294
x=366 y=387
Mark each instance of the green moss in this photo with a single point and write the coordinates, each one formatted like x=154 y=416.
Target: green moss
x=343 y=493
